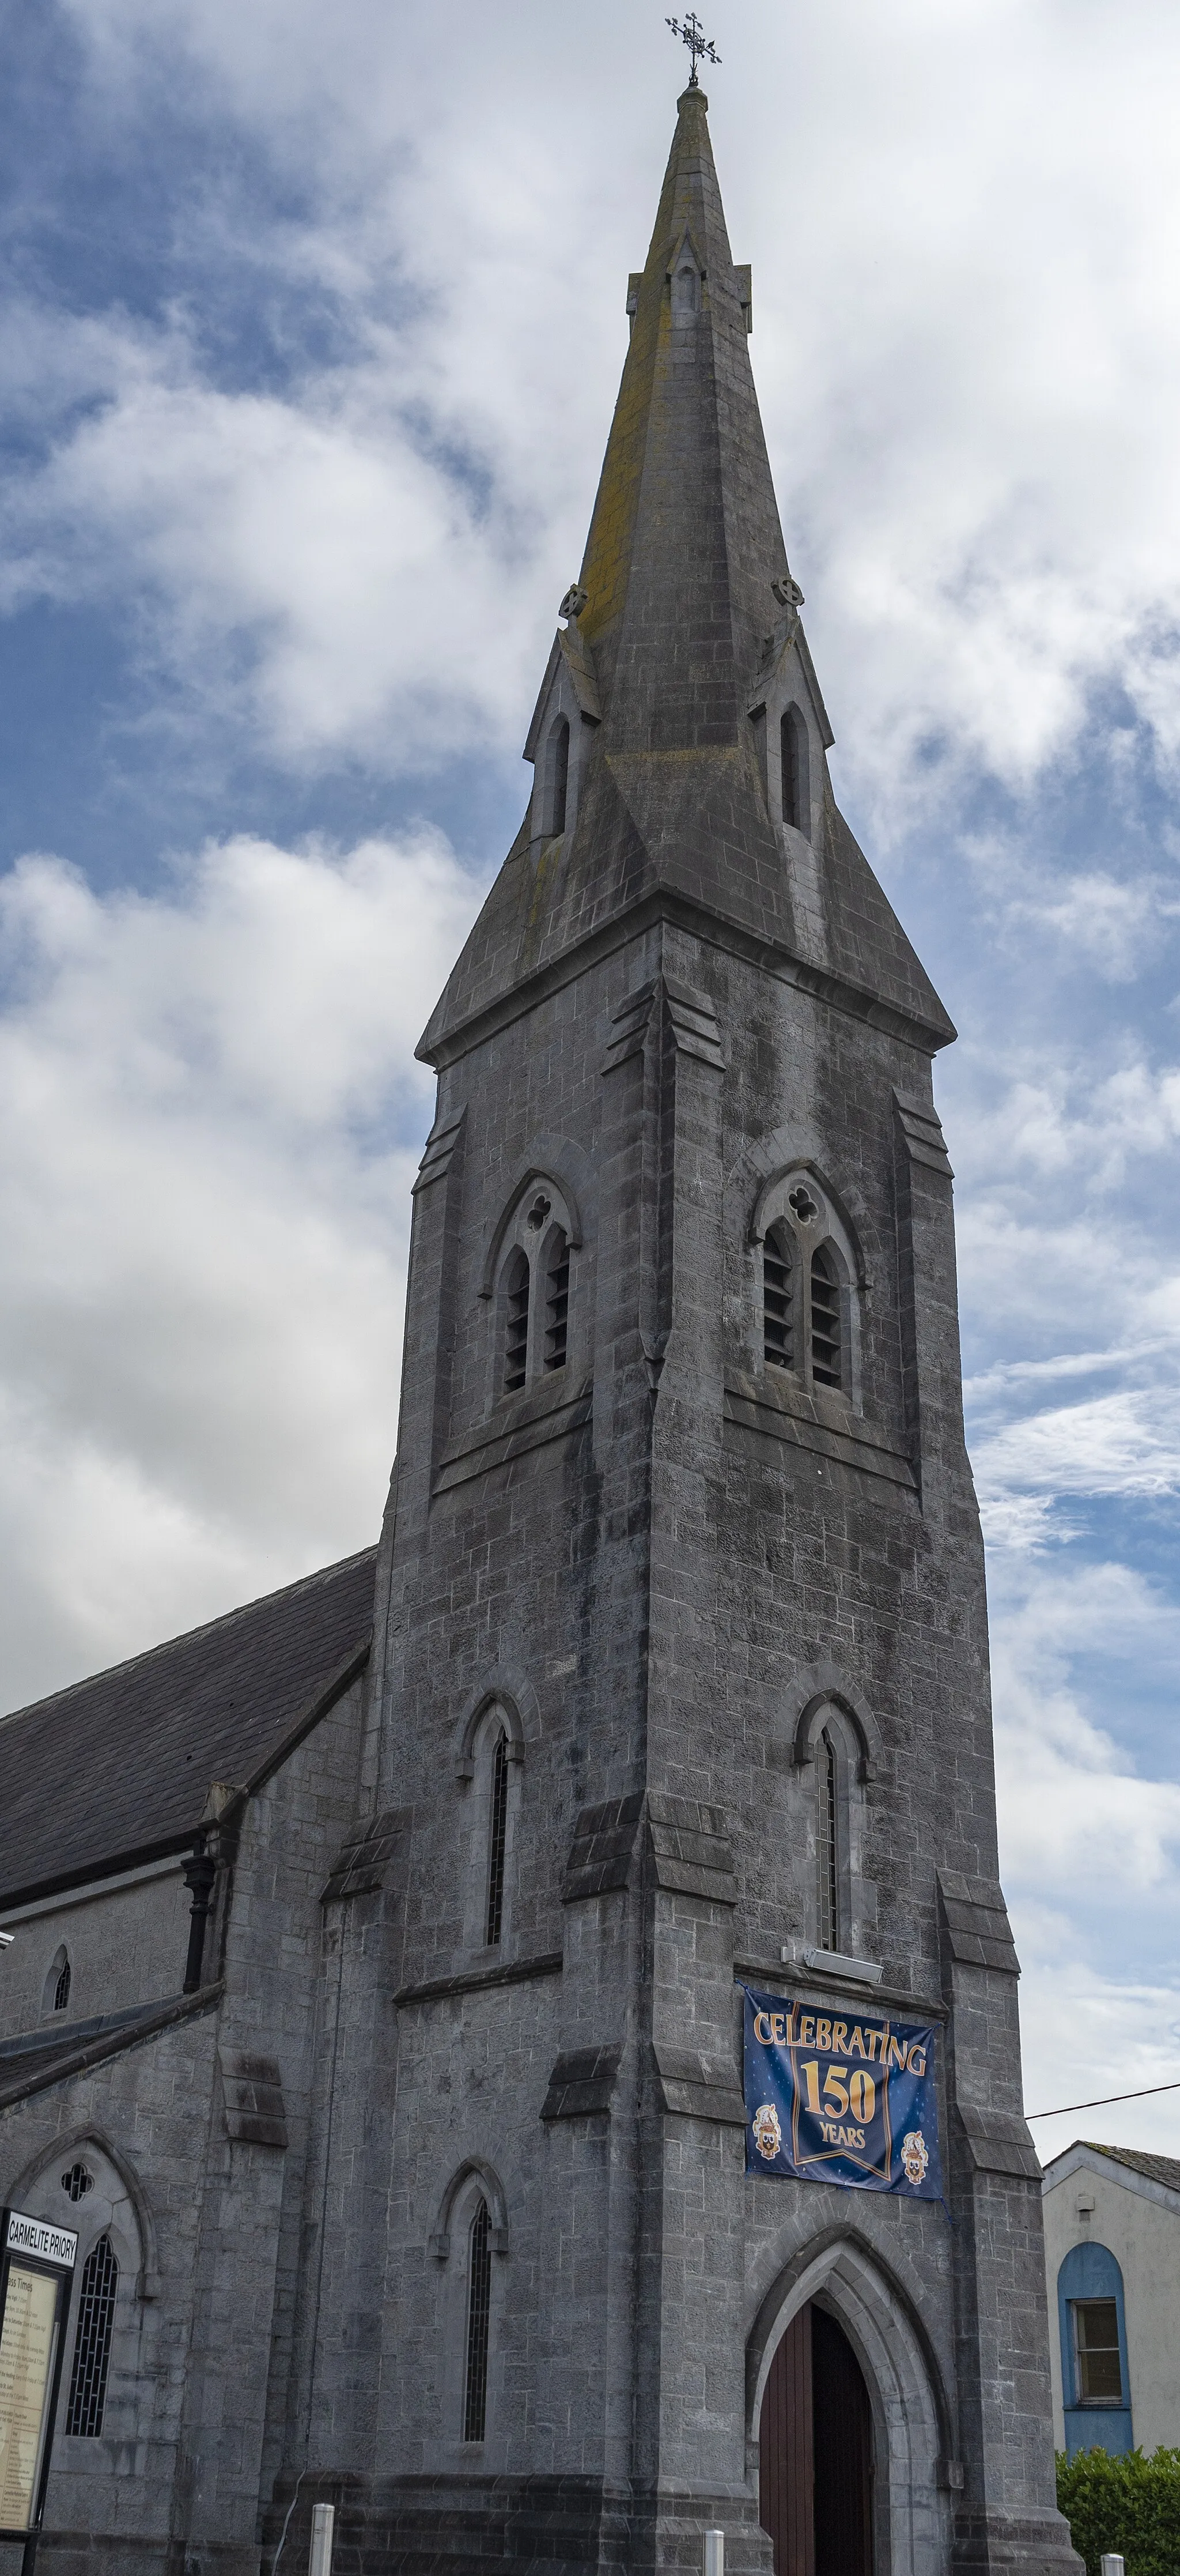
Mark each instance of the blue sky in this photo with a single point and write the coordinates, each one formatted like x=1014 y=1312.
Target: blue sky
x=313 y=327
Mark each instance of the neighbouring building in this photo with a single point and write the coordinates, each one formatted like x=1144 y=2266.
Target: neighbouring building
x=375 y=2006
x=1112 y=2264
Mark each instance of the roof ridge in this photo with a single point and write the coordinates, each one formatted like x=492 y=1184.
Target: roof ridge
x=188 y=1636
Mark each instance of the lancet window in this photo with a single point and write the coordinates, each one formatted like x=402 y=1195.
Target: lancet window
x=479 y=2318
x=97 y=2293
x=497 y=1842
x=828 y=1843
x=778 y=1339
x=516 y=1322
x=557 y=1300
x=55 y=1994
x=825 y=1318
x=557 y=770
x=795 y=770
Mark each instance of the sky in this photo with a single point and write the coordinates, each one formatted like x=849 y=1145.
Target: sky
x=313 y=320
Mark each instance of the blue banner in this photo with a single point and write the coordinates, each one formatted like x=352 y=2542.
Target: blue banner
x=840 y=2096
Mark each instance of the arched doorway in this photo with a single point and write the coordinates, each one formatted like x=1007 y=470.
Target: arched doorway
x=816 y=2453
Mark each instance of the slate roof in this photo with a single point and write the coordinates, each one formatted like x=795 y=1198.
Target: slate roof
x=684 y=548
x=116 y=1770
x=1165 y=2169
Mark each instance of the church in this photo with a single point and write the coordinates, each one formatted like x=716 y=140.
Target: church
x=381 y=1952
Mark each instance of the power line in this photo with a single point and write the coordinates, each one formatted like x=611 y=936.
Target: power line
x=1103 y=2099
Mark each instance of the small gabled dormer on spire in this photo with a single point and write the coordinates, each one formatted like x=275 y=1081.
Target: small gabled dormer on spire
x=566 y=714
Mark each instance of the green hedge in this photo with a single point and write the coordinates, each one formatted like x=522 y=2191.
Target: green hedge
x=1130 y=2504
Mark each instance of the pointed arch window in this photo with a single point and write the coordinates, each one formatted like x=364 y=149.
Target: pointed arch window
x=557 y=772
x=530 y=1275
x=479 y=2318
x=97 y=2293
x=828 y=1843
x=808 y=1314
x=825 y=1319
x=516 y=1322
x=55 y=1994
x=557 y=1300
x=795 y=773
x=778 y=1321
x=497 y=1842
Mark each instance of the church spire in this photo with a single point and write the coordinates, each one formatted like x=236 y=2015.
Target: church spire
x=681 y=692
x=685 y=539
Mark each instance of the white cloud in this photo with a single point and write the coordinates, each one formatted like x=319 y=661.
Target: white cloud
x=1085 y=2035
x=968 y=350
x=213 y=1121
x=1112 y=923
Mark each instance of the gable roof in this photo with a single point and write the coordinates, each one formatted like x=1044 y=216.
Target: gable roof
x=1165 y=2169
x=116 y=1770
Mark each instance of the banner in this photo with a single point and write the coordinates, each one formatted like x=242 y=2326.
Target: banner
x=845 y=2097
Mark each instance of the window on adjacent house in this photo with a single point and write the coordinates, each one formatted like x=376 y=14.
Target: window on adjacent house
x=497 y=1842
x=778 y=1336
x=97 y=2293
x=557 y=1301
x=557 y=771
x=825 y=1319
x=827 y=1843
x=516 y=1322
x=479 y=2314
x=1096 y=2352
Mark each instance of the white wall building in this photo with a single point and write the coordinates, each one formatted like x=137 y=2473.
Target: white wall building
x=1112 y=2256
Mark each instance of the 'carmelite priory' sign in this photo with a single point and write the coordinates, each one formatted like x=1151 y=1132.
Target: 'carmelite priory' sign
x=36 y=2264
x=840 y=2099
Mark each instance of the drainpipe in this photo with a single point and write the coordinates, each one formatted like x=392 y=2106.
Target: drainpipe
x=199 y=1873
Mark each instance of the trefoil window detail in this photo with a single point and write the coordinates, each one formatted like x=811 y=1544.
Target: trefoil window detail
x=825 y=1319
x=92 y=2342
x=497 y=1843
x=479 y=2313
x=77 y=2182
x=516 y=1323
x=557 y=1301
x=778 y=1337
x=828 y=1852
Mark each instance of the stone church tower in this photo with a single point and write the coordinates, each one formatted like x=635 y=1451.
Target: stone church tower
x=681 y=1670
x=425 y=2192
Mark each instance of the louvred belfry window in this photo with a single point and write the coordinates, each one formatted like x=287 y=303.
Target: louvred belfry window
x=778 y=1339
x=97 y=2293
x=557 y=1299
x=825 y=1319
x=516 y=1323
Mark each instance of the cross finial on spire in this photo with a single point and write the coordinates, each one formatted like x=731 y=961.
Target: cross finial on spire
x=690 y=34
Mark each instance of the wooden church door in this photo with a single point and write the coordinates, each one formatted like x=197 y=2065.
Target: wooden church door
x=815 y=2453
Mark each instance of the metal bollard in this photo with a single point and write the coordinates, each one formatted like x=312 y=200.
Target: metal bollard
x=714 y=2553
x=1112 y=2563
x=322 y=2518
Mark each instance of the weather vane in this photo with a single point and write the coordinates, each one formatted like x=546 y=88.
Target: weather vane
x=689 y=31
